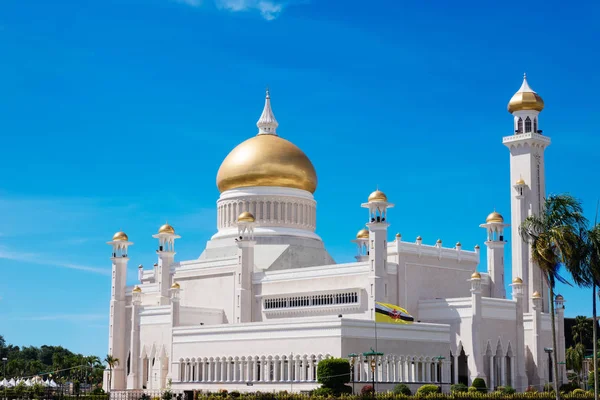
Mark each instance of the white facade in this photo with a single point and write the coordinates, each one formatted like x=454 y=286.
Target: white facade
x=265 y=302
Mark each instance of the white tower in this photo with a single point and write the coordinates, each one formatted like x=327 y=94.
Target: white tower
x=244 y=299
x=526 y=145
x=378 y=291
x=362 y=244
x=494 y=225
x=134 y=342
x=166 y=255
x=117 y=339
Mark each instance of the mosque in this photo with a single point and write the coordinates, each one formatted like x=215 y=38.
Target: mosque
x=265 y=301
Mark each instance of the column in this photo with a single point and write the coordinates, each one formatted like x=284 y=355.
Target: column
x=503 y=371
x=297 y=376
x=409 y=376
x=456 y=367
x=223 y=362
x=267 y=369
x=428 y=371
x=276 y=369
x=290 y=366
x=249 y=369
x=255 y=369
x=282 y=366
x=311 y=364
x=492 y=373
x=512 y=371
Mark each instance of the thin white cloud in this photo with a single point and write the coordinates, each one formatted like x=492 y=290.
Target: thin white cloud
x=193 y=3
x=44 y=260
x=269 y=9
x=64 y=317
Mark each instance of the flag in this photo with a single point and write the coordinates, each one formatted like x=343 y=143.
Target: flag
x=392 y=314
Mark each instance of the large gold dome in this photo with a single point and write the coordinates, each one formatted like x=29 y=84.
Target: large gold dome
x=267 y=160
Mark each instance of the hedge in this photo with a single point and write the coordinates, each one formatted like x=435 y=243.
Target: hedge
x=391 y=396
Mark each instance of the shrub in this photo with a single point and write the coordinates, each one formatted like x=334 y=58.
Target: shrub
x=479 y=383
x=428 y=389
x=472 y=389
x=591 y=379
x=99 y=390
x=506 y=390
x=235 y=394
x=459 y=388
x=167 y=395
x=579 y=392
x=548 y=387
x=323 y=391
x=568 y=387
x=334 y=373
x=401 y=388
x=367 y=389
x=531 y=389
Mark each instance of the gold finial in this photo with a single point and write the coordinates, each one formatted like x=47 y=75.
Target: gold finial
x=524 y=75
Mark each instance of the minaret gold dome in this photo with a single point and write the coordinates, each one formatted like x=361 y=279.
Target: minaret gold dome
x=520 y=181
x=377 y=195
x=166 y=228
x=137 y=289
x=536 y=295
x=246 y=217
x=494 y=217
x=518 y=280
x=120 y=237
x=476 y=275
x=525 y=99
x=362 y=234
x=267 y=160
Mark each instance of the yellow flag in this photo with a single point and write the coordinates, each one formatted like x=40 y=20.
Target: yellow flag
x=392 y=314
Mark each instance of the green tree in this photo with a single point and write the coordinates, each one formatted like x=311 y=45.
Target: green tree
x=334 y=373
x=555 y=240
x=111 y=362
x=582 y=329
x=574 y=358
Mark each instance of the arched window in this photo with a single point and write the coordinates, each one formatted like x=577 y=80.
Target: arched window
x=520 y=125
x=535 y=129
x=527 y=125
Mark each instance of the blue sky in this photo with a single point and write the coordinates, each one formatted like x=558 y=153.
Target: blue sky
x=116 y=114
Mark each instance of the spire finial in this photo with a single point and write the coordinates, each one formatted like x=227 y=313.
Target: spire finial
x=267 y=124
x=524 y=76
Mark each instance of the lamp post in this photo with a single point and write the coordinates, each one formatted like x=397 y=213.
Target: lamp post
x=4 y=360
x=561 y=363
x=439 y=372
x=352 y=357
x=372 y=357
x=549 y=351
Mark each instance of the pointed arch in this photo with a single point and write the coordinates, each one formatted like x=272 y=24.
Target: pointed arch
x=520 y=125
x=527 y=125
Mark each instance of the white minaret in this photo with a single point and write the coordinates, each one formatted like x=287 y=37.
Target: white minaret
x=518 y=362
x=377 y=205
x=362 y=244
x=134 y=342
x=476 y=359
x=117 y=338
x=166 y=255
x=244 y=298
x=526 y=145
x=494 y=225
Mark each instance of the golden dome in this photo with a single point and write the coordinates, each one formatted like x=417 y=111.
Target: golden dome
x=494 y=217
x=517 y=280
x=245 y=217
x=362 y=234
x=137 y=289
x=559 y=297
x=166 y=228
x=267 y=160
x=120 y=237
x=398 y=235
x=458 y=244
x=536 y=295
x=419 y=238
x=525 y=99
x=476 y=247
x=439 y=241
x=520 y=181
x=476 y=275
x=175 y=285
x=377 y=195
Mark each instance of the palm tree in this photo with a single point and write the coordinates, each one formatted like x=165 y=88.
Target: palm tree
x=111 y=362
x=554 y=236
x=574 y=359
x=592 y=264
x=581 y=329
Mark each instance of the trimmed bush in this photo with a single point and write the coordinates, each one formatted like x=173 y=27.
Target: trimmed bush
x=334 y=373
x=531 y=389
x=367 y=389
x=472 y=389
x=506 y=390
x=167 y=395
x=579 y=392
x=428 y=389
x=459 y=388
x=401 y=388
x=322 y=391
x=479 y=383
x=568 y=387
